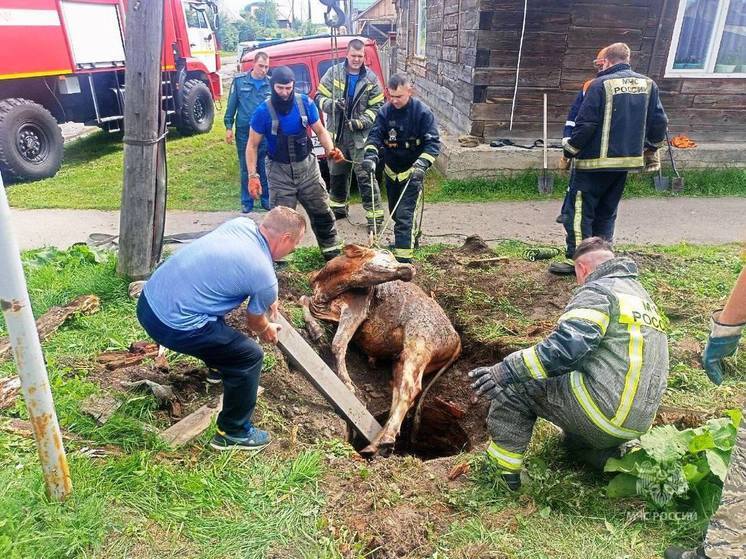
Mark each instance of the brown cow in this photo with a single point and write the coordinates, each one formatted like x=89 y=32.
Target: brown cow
x=367 y=293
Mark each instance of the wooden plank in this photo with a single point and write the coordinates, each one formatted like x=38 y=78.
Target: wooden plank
x=193 y=425
x=9 y=389
x=302 y=355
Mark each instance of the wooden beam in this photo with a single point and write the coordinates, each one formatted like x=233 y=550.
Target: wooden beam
x=193 y=425
x=303 y=356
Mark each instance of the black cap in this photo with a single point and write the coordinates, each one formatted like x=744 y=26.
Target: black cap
x=282 y=75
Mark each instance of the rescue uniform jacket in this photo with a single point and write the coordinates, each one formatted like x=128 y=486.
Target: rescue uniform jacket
x=572 y=114
x=404 y=136
x=620 y=116
x=366 y=100
x=611 y=340
x=243 y=99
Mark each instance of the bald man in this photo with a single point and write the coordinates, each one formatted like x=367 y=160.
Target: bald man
x=599 y=375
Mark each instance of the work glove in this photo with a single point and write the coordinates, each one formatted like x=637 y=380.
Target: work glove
x=255 y=186
x=336 y=155
x=368 y=165
x=564 y=163
x=652 y=161
x=341 y=104
x=723 y=342
x=355 y=124
x=566 y=153
x=489 y=381
x=418 y=171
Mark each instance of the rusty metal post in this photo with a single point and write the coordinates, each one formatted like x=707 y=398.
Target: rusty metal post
x=32 y=370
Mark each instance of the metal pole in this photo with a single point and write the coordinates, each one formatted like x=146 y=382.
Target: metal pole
x=32 y=370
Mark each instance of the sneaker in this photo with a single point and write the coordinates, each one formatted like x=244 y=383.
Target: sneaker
x=214 y=377
x=566 y=268
x=253 y=439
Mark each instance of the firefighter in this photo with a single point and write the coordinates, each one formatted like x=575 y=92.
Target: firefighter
x=406 y=135
x=248 y=90
x=292 y=169
x=567 y=132
x=599 y=375
x=725 y=537
x=350 y=95
x=620 y=117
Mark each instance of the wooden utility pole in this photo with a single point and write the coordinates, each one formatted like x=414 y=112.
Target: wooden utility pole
x=143 y=196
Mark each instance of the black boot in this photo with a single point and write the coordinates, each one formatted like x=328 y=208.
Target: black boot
x=566 y=268
x=513 y=481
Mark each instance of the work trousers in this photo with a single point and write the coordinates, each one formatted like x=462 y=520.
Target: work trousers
x=339 y=187
x=513 y=413
x=726 y=537
x=406 y=217
x=290 y=183
x=237 y=357
x=242 y=139
x=590 y=206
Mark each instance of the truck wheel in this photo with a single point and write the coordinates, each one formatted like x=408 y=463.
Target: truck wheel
x=197 y=109
x=30 y=140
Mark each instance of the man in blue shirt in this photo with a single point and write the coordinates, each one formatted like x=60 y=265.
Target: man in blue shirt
x=184 y=303
x=248 y=91
x=292 y=169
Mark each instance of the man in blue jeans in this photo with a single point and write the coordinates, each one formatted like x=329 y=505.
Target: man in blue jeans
x=248 y=91
x=184 y=303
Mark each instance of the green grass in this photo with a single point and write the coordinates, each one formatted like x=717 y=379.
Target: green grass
x=145 y=501
x=203 y=175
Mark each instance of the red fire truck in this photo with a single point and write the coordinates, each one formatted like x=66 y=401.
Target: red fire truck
x=63 y=61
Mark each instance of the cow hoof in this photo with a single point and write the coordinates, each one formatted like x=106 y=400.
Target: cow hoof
x=369 y=451
x=385 y=450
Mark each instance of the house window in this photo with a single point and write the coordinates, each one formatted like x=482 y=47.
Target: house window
x=709 y=40
x=421 y=35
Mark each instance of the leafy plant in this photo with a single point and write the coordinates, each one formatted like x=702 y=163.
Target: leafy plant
x=675 y=470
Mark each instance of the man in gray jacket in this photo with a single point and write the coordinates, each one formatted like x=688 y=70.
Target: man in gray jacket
x=599 y=375
x=350 y=96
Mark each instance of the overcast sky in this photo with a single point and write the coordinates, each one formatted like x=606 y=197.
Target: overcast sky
x=283 y=7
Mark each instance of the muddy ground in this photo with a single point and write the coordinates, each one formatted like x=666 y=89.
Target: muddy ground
x=391 y=507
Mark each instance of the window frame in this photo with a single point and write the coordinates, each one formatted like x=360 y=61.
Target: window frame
x=421 y=11
x=708 y=72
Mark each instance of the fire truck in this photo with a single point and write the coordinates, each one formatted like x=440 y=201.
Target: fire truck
x=63 y=61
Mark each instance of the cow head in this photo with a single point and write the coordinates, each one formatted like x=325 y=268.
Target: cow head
x=358 y=267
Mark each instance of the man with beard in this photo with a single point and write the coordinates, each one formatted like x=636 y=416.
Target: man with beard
x=292 y=169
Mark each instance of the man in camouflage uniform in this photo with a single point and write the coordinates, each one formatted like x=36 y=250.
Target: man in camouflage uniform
x=350 y=95
x=599 y=375
x=726 y=535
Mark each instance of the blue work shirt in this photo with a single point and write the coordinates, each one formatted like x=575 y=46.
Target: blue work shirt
x=352 y=84
x=289 y=124
x=246 y=94
x=214 y=275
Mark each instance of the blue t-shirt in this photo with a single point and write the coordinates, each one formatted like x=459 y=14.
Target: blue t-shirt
x=258 y=82
x=214 y=275
x=352 y=84
x=290 y=124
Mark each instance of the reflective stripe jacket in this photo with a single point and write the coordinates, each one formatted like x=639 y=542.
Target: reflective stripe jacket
x=243 y=99
x=611 y=340
x=572 y=114
x=403 y=136
x=366 y=101
x=621 y=114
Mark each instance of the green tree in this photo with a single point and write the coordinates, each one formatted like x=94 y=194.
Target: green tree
x=266 y=14
x=227 y=33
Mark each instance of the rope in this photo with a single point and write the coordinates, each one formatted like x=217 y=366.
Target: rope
x=392 y=213
x=518 y=64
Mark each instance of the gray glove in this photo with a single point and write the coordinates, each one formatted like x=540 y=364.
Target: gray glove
x=341 y=104
x=368 y=165
x=489 y=381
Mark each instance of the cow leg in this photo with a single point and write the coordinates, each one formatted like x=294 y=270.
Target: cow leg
x=312 y=325
x=408 y=372
x=353 y=313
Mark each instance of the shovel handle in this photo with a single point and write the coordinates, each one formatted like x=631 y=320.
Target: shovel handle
x=545 y=133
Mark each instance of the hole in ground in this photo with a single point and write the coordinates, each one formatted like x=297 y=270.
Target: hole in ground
x=440 y=433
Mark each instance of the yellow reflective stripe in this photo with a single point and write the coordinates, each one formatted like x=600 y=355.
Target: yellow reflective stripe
x=335 y=204
x=403 y=252
x=371 y=214
x=375 y=100
x=606 y=128
x=610 y=162
x=427 y=157
x=578 y=218
x=370 y=147
x=35 y=74
x=569 y=147
x=531 y=359
x=594 y=413
x=323 y=90
x=330 y=249
x=505 y=458
x=339 y=84
x=632 y=379
x=635 y=310
x=397 y=176
x=589 y=315
x=370 y=114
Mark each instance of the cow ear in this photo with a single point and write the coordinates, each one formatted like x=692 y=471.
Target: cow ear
x=353 y=251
